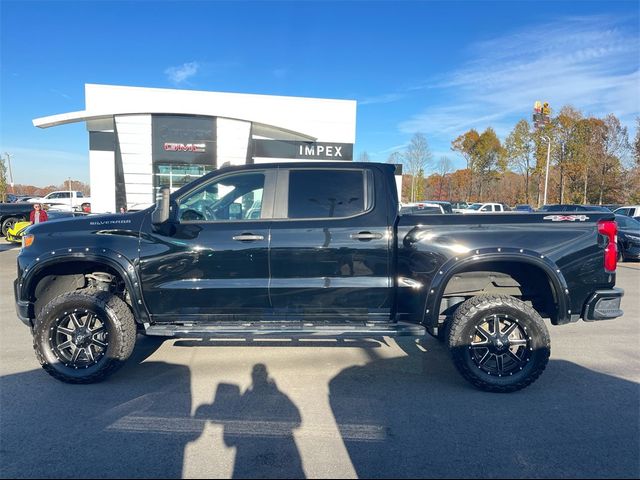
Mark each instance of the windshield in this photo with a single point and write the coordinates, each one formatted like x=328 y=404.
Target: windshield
x=475 y=206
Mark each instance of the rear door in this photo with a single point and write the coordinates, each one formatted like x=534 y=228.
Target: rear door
x=330 y=249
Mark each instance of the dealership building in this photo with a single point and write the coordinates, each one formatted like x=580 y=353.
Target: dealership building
x=141 y=139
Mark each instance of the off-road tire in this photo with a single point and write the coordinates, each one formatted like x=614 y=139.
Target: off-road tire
x=119 y=325
x=533 y=342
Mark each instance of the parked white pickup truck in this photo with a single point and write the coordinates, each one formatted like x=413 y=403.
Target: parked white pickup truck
x=485 y=208
x=69 y=200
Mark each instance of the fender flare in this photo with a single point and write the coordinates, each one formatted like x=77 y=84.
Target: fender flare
x=508 y=255
x=117 y=261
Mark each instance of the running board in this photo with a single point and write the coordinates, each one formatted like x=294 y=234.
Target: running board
x=286 y=330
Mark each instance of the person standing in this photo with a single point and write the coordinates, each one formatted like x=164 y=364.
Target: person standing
x=38 y=214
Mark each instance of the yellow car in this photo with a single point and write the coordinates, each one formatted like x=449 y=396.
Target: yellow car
x=15 y=233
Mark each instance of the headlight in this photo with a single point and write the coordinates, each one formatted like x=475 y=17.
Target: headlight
x=27 y=240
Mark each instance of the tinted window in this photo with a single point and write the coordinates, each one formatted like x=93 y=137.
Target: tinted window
x=419 y=211
x=627 y=222
x=326 y=193
x=235 y=197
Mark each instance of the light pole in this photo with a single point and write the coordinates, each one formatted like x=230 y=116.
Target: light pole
x=10 y=174
x=546 y=176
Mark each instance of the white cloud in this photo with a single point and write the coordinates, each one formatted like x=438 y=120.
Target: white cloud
x=386 y=98
x=182 y=73
x=592 y=63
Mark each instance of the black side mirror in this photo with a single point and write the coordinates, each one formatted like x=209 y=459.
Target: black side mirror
x=161 y=212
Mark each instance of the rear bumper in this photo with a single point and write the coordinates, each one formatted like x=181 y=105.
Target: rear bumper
x=603 y=305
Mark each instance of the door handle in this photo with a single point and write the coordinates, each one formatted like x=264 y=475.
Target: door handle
x=365 y=236
x=248 y=237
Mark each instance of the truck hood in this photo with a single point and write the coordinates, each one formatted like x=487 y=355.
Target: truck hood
x=128 y=223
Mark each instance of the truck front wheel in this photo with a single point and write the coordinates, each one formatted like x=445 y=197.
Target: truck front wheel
x=84 y=336
x=498 y=343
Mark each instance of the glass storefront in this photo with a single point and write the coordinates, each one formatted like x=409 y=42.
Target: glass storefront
x=184 y=148
x=175 y=176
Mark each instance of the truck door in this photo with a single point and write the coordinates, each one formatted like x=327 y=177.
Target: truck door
x=330 y=245
x=211 y=263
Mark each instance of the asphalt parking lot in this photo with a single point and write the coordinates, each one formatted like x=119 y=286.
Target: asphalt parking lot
x=386 y=408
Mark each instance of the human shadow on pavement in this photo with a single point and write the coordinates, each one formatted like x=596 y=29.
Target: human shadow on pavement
x=135 y=424
x=259 y=423
x=420 y=418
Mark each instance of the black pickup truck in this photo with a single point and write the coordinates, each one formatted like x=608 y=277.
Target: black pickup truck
x=308 y=250
x=12 y=213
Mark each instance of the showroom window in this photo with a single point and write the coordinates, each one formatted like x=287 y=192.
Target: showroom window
x=184 y=148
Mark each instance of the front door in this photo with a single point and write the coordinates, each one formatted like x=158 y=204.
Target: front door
x=330 y=251
x=211 y=262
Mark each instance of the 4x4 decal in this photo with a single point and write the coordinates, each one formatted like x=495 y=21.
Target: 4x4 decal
x=566 y=218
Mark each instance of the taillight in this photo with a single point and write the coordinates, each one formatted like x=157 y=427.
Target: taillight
x=610 y=229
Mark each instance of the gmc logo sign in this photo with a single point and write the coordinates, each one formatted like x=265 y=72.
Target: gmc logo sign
x=184 y=147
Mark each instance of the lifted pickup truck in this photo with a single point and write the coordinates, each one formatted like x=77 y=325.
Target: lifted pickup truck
x=301 y=250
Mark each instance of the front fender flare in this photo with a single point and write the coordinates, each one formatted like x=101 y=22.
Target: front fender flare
x=117 y=261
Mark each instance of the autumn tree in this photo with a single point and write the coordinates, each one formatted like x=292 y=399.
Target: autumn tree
x=3 y=180
x=466 y=145
x=443 y=168
x=395 y=158
x=615 y=146
x=488 y=153
x=519 y=149
x=636 y=143
x=417 y=158
x=364 y=157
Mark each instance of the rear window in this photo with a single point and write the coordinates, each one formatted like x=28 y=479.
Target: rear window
x=419 y=210
x=327 y=193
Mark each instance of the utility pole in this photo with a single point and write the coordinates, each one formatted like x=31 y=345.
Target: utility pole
x=546 y=176
x=10 y=173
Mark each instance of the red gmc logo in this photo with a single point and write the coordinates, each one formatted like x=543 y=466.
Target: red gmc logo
x=184 y=147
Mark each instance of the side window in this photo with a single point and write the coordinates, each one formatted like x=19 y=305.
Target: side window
x=486 y=208
x=234 y=197
x=79 y=195
x=65 y=195
x=328 y=193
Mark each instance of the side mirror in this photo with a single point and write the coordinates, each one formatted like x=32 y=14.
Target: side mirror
x=161 y=213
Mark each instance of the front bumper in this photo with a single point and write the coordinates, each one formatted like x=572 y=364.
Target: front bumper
x=24 y=308
x=603 y=305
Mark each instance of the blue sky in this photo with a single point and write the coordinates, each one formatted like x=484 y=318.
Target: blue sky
x=438 y=68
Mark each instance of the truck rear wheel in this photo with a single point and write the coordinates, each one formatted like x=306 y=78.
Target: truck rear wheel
x=84 y=336
x=498 y=343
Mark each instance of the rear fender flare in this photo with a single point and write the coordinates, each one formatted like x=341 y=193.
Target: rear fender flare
x=503 y=255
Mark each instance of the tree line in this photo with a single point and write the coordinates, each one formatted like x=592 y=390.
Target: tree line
x=592 y=161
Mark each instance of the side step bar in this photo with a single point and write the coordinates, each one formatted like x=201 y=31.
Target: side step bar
x=286 y=330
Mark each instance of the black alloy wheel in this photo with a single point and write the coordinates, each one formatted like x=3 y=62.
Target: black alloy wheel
x=79 y=339
x=500 y=346
x=84 y=336
x=498 y=343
